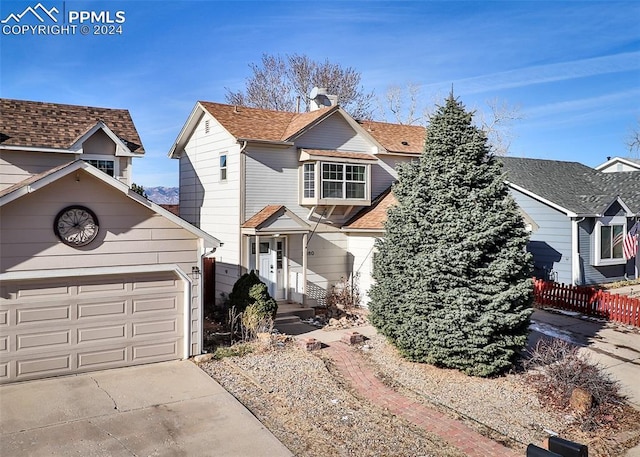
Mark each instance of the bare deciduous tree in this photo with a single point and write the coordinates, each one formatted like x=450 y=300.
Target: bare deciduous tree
x=497 y=121
x=633 y=140
x=496 y=118
x=283 y=83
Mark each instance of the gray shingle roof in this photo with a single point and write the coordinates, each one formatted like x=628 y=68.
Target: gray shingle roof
x=572 y=185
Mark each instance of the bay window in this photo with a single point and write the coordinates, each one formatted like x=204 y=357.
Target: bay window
x=335 y=183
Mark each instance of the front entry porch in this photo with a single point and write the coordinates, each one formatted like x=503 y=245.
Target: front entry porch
x=274 y=245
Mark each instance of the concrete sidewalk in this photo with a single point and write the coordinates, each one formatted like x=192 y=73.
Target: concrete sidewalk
x=171 y=408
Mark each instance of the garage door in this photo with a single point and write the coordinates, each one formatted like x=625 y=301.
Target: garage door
x=70 y=325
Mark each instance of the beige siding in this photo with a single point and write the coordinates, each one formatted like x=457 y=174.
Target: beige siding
x=129 y=235
x=209 y=203
x=16 y=166
x=99 y=143
x=272 y=179
x=328 y=261
x=334 y=133
x=361 y=248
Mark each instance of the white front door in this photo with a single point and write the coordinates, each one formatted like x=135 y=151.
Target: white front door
x=271 y=265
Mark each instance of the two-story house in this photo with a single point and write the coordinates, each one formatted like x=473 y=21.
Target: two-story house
x=92 y=275
x=283 y=190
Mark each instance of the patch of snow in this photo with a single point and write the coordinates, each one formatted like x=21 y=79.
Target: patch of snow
x=552 y=331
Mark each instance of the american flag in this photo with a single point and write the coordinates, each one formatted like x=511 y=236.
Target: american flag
x=630 y=248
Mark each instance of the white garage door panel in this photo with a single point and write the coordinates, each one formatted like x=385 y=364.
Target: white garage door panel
x=85 y=324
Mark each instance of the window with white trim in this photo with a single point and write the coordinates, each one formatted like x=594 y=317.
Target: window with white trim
x=334 y=183
x=107 y=166
x=343 y=181
x=309 y=180
x=609 y=236
x=223 y=167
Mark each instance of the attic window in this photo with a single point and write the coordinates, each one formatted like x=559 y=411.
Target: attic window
x=207 y=126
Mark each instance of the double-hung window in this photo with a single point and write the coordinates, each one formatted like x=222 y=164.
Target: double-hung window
x=343 y=181
x=223 y=167
x=309 y=180
x=609 y=238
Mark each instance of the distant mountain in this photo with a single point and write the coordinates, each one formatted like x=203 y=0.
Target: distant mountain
x=163 y=195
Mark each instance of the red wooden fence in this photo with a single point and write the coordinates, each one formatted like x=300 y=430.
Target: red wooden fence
x=588 y=300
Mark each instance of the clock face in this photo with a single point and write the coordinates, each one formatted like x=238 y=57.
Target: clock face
x=76 y=226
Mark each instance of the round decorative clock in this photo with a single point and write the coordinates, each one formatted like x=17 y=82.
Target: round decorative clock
x=76 y=226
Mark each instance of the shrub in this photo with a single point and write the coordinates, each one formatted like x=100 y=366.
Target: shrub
x=264 y=303
x=556 y=369
x=249 y=290
x=254 y=321
x=237 y=350
x=345 y=294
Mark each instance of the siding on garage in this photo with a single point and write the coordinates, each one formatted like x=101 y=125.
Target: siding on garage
x=129 y=235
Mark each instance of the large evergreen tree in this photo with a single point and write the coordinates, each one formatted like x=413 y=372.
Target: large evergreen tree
x=452 y=274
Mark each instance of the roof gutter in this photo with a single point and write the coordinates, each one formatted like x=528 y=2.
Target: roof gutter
x=267 y=142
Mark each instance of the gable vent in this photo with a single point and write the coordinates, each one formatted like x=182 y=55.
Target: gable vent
x=207 y=126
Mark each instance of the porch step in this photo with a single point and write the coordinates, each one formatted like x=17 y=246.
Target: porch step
x=286 y=320
x=289 y=310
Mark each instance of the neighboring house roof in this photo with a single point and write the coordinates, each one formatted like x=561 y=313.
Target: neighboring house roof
x=36 y=182
x=372 y=218
x=629 y=161
x=572 y=187
x=398 y=138
x=53 y=125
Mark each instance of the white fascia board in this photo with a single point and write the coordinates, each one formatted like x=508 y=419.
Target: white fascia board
x=210 y=241
x=622 y=203
x=92 y=271
x=275 y=143
x=187 y=129
x=44 y=181
x=618 y=159
x=371 y=231
x=36 y=149
x=541 y=199
x=358 y=128
x=121 y=148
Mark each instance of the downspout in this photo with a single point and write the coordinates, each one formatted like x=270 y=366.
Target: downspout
x=242 y=207
x=575 y=249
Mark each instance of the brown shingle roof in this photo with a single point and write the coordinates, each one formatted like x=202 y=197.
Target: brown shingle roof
x=261 y=124
x=261 y=216
x=54 y=125
x=373 y=217
x=394 y=136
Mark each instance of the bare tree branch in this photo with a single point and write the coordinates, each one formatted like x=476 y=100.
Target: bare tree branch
x=278 y=82
x=633 y=140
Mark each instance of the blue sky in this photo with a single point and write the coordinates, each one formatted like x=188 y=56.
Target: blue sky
x=572 y=68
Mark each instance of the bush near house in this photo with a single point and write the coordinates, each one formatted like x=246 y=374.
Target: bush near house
x=249 y=290
x=452 y=275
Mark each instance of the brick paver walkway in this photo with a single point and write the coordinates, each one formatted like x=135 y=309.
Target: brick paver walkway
x=354 y=368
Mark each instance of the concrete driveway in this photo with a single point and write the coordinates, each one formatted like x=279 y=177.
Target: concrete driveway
x=162 y=409
x=614 y=346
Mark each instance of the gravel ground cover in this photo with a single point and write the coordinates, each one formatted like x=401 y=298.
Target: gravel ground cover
x=311 y=409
